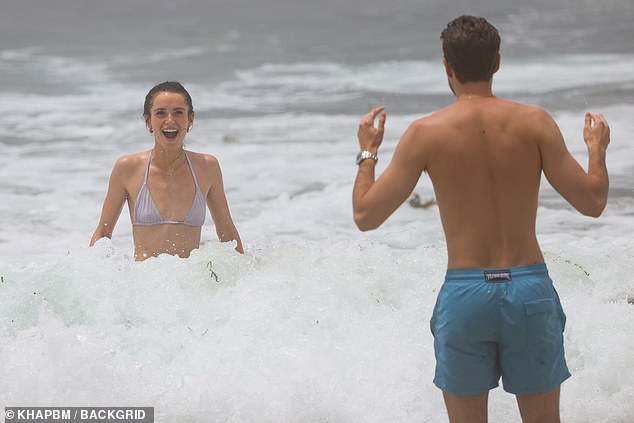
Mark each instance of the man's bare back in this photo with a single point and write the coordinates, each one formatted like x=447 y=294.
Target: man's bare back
x=484 y=162
x=485 y=157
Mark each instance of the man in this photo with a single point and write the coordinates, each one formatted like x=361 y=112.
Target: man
x=497 y=314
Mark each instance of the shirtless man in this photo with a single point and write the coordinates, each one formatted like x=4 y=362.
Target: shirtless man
x=497 y=314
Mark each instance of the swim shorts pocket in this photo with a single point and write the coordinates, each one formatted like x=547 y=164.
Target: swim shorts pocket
x=543 y=322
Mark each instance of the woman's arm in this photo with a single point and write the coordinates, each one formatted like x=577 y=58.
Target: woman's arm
x=113 y=203
x=217 y=203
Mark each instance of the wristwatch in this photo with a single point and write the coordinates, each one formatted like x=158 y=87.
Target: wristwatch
x=366 y=155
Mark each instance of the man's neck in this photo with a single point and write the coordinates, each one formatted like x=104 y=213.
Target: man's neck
x=472 y=90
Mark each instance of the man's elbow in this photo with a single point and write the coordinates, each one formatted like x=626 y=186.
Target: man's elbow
x=364 y=222
x=597 y=210
x=595 y=207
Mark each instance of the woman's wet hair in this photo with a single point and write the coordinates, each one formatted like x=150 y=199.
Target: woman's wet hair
x=471 y=46
x=166 y=87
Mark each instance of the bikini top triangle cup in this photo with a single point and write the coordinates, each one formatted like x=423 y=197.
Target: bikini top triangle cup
x=146 y=213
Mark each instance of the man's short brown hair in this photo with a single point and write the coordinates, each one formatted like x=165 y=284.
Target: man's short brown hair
x=471 y=46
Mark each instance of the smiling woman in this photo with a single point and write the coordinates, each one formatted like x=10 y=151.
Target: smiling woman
x=167 y=187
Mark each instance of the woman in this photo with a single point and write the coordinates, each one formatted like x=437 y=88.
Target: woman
x=167 y=187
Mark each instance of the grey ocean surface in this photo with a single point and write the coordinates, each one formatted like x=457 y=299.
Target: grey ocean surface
x=246 y=33
x=316 y=322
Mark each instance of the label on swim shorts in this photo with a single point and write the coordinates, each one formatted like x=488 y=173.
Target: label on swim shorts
x=498 y=276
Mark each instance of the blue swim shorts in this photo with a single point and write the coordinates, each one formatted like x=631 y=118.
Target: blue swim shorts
x=489 y=323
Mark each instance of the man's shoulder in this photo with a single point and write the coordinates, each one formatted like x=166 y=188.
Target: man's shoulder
x=436 y=119
x=522 y=109
x=435 y=123
x=427 y=131
x=458 y=116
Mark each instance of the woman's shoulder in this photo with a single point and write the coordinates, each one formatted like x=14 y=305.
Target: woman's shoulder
x=206 y=167
x=202 y=159
x=131 y=162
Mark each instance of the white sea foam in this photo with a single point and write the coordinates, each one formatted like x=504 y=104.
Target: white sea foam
x=309 y=331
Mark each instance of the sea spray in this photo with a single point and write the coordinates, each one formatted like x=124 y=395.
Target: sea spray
x=306 y=331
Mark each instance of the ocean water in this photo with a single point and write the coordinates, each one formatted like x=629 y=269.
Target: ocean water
x=317 y=322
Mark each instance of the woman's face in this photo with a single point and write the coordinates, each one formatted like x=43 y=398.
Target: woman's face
x=169 y=119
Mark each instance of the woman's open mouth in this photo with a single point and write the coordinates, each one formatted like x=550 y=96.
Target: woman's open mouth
x=170 y=133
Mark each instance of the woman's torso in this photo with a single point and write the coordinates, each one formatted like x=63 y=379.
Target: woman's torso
x=173 y=206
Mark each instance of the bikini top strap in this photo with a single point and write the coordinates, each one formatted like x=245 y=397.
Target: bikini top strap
x=147 y=169
x=191 y=168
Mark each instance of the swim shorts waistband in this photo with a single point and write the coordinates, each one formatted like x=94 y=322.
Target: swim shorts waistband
x=494 y=275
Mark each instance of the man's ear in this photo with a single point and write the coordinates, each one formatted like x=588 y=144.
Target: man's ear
x=496 y=67
x=448 y=69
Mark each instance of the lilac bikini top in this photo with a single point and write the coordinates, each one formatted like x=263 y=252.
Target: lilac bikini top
x=146 y=213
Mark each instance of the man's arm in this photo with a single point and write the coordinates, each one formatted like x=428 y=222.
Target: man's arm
x=585 y=191
x=373 y=202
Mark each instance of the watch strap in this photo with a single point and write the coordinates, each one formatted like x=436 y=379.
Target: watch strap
x=365 y=154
